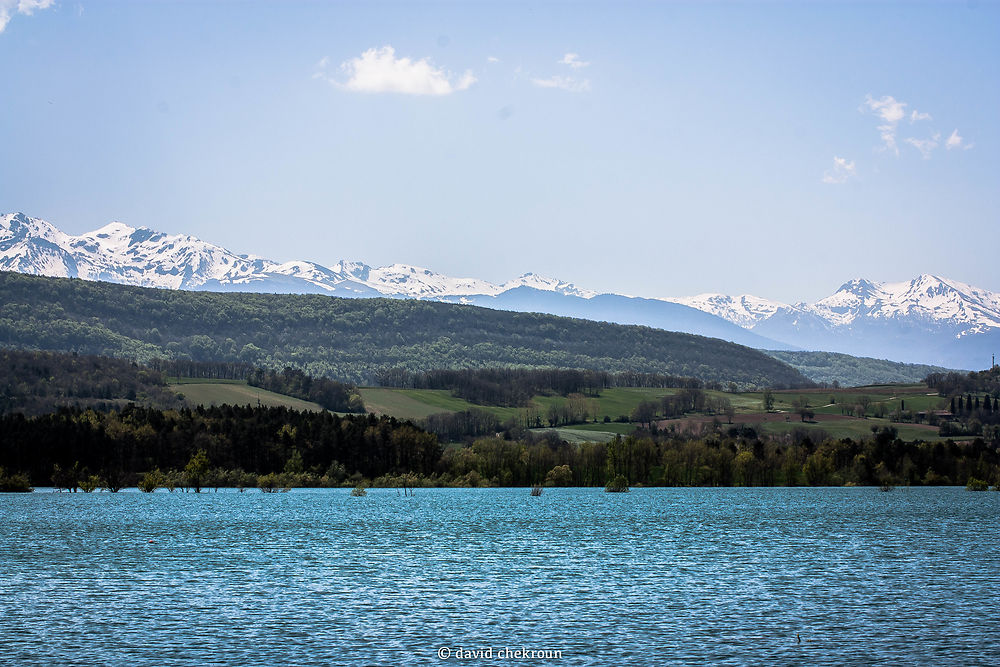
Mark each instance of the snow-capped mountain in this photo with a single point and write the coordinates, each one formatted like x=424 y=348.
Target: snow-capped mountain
x=118 y=253
x=745 y=310
x=926 y=297
x=926 y=320
x=140 y=256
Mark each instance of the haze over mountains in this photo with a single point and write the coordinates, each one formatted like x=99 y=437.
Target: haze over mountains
x=929 y=319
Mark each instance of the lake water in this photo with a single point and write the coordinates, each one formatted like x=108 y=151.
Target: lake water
x=654 y=576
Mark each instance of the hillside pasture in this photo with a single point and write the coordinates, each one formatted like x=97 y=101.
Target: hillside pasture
x=201 y=391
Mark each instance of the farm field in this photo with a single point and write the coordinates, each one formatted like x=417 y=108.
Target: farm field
x=834 y=426
x=836 y=401
x=611 y=427
x=410 y=403
x=578 y=435
x=829 y=406
x=611 y=402
x=418 y=403
x=855 y=428
x=235 y=392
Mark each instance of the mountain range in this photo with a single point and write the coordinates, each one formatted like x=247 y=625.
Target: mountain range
x=929 y=319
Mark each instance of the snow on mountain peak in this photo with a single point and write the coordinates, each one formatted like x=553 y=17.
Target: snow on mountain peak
x=31 y=245
x=112 y=229
x=930 y=299
x=19 y=226
x=118 y=252
x=418 y=282
x=357 y=270
x=745 y=310
x=927 y=297
x=535 y=281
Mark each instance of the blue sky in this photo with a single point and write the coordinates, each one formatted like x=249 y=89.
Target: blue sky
x=655 y=149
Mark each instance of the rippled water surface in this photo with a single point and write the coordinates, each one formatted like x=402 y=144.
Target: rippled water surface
x=649 y=577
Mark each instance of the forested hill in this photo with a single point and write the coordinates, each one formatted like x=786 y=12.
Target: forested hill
x=350 y=339
x=848 y=371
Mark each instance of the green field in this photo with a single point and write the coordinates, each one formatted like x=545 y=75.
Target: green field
x=578 y=435
x=831 y=401
x=854 y=428
x=611 y=402
x=235 y=392
x=401 y=403
x=419 y=403
x=610 y=427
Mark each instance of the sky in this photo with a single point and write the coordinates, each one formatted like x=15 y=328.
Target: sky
x=650 y=149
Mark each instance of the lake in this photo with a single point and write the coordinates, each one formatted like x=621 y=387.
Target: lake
x=655 y=576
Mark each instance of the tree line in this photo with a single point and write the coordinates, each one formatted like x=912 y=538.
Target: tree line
x=328 y=393
x=36 y=382
x=975 y=382
x=974 y=402
x=972 y=415
x=254 y=439
x=277 y=447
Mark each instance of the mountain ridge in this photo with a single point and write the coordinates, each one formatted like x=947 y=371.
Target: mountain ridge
x=351 y=339
x=929 y=319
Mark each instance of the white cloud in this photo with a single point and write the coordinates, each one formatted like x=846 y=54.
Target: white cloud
x=843 y=170
x=569 y=83
x=956 y=141
x=26 y=7
x=891 y=111
x=492 y=59
x=925 y=146
x=564 y=83
x=573 y=60
x=380 y=71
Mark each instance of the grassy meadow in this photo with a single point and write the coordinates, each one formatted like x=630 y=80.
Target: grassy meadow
x=234 y=392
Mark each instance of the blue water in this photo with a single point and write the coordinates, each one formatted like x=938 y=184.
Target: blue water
x=655 y=576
